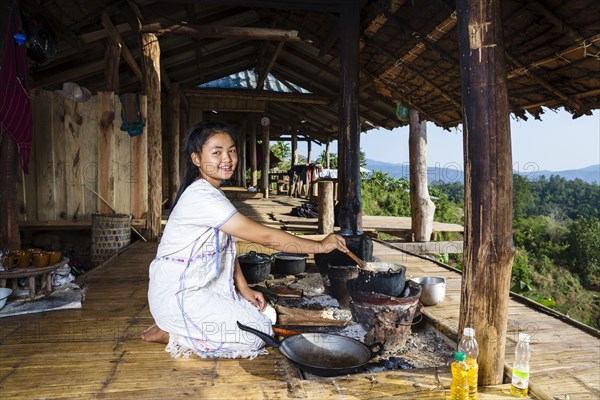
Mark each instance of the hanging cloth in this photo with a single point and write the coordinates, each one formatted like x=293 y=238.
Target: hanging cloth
x=15 y=105
x=132 y=120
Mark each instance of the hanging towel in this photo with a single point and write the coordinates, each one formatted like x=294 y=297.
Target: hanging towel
x=132 y=120
x=15 y=104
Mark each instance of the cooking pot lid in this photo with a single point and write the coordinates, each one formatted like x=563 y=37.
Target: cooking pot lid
x=386 y=267
x=290 y=256
x=253 y=257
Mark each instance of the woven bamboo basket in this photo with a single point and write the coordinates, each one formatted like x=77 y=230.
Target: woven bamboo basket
x=110 y=232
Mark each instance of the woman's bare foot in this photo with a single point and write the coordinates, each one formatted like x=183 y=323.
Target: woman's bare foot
x=154 y=334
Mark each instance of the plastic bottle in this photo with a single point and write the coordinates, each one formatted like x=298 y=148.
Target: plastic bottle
x=469 y=346
x=459 y=388
x=520 y=375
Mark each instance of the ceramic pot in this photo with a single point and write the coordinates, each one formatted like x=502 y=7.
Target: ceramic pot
x=289 y=263
x=255 y=266
x=386 y=278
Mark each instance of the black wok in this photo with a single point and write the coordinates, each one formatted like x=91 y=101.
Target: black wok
x=322 y=354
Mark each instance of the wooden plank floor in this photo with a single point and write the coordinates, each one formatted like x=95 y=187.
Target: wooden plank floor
x=95 y=351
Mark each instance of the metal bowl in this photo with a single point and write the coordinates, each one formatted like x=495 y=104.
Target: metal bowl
x=4 y=293
x=433 y=289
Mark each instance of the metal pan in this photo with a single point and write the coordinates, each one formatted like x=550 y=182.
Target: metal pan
x=322 y=354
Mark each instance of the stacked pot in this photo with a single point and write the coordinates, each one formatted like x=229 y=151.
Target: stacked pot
x=381 y=300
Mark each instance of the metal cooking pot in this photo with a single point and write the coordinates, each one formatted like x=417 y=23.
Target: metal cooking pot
x=289 y=263
x=434 y=289
x=322 y=354
x=385 y=278
x=255 y=266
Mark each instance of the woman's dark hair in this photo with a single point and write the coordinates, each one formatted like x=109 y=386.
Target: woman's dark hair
x=196 y=137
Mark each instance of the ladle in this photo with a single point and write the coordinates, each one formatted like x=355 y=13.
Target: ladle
x=362 y=264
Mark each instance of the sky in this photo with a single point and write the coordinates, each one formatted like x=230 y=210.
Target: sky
x=556 y=143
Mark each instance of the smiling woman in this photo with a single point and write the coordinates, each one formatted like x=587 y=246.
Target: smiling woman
x=197 y=291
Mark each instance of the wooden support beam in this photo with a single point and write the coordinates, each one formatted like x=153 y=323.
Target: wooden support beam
x=407 y=67
x=350 y=217
x=266 y=96
x=221 y=32
x=488 y=250
x=151 y=87
x=269 y=66
x=326 y=207
x=422 y=208
x=423 y=39
x=562 y=25
x=294 y=148
x=252 y=151
x=573 y=102
x=116 y=37
x=9 y=164
x=112 y=58
x=264 y=174
x=242 y=164
x=174 y=144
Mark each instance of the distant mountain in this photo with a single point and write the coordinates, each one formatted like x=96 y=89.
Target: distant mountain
x=453 y=172
x=589 y=174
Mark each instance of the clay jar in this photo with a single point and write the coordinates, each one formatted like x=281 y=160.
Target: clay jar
x=55 y=256
x=11 y=261
x=40 y=259
x=24 y=258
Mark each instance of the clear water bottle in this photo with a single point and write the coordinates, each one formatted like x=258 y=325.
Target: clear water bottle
x=469 y=346
x=459 y=387
x=520 y=375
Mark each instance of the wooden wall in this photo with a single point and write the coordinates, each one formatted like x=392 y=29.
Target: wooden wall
x=78 y=149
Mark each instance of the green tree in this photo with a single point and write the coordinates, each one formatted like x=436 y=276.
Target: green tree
x=583 y=251
x=333 y=159
x=282 y=151
x=522 y=198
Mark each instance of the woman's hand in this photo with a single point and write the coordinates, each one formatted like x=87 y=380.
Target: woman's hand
x=254 y=297
x=334 y=242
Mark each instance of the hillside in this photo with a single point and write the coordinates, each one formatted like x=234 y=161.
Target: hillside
x=453 y=172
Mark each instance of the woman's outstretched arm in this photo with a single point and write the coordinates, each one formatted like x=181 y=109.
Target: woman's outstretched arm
x=243 y=227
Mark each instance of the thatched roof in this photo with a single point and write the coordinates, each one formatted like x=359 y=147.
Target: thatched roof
x=409 y=53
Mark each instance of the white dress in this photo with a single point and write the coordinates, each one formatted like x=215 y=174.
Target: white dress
x=191 y=291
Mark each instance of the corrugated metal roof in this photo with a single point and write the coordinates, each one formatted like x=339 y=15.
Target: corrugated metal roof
x=247 y=80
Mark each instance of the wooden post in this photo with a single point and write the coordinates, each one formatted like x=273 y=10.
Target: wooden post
x=295 y=184
x=325 y=204
x=264 y=178
x=253 y=167
x=488 y=246
x=294 y=149
x=350 y=217
x=112 y=57
x=421 y=206
x=9 y=165
x=327 y=156
x=174 y=144
x=151 y=88
x=242 y=153
x=183 y=131
x=106 y=150
x=308 y=151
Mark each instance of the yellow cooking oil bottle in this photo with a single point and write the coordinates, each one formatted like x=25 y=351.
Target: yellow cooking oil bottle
x=469 y=346
x=520 y=373
x=459 y=387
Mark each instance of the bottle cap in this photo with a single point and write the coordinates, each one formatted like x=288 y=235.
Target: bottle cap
x=523 y=337
x=460 y=356
x=470 y=332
